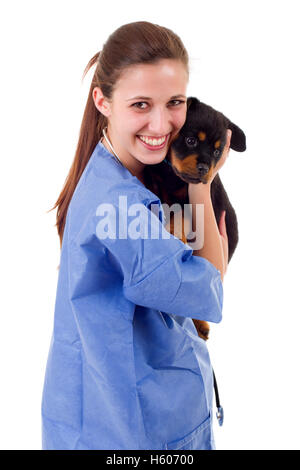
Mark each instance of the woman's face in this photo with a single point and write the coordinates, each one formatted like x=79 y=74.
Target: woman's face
x=149 y=101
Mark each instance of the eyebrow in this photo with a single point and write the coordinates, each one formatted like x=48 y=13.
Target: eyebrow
x=148 y=98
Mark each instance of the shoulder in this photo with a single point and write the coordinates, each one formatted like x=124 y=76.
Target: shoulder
x=106 y=184
x=104 y=180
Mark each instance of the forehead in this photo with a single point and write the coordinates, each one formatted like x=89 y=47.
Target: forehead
x=166 y=77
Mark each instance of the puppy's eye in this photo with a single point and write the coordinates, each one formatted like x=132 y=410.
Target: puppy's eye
x=191 y=141
x=217 y=153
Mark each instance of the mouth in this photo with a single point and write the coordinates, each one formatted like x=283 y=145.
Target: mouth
x=154 y=143
x=188 y=178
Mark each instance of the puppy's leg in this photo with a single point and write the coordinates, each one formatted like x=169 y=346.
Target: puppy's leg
x=202 y=328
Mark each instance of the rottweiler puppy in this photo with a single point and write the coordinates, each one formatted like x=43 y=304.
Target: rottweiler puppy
x=191 y=158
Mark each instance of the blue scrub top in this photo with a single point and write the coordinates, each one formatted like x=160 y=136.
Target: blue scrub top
x=126 y=368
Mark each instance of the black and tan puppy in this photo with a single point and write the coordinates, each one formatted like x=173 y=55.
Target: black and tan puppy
x=191 y=158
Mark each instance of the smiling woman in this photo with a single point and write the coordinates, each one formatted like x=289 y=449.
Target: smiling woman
x=140 y=135
x=126 y=368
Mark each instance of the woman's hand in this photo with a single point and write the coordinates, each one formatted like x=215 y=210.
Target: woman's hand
x=224 y=239
x=222 y=222
x=195 y=189
x=223 y=156
x=215 y=247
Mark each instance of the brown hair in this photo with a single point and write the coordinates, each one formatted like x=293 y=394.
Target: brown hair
x=133 y=43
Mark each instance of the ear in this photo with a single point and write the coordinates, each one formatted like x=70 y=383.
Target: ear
x=238 y=138
x=101 y=102
x=191 y=102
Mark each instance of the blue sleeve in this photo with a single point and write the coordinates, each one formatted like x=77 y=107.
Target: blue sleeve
x=159 y=270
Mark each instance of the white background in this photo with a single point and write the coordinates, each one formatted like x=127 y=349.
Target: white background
x=244 y=61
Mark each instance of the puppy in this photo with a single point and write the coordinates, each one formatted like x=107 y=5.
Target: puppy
x=192 y=155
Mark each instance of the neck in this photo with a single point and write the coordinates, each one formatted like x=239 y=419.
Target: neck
x=136 y=168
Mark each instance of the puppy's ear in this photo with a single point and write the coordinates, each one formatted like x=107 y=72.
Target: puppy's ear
x=191 y=102
x=238 y=138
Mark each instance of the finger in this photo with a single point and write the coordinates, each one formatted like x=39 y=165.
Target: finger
x=222 y=225
x=227 y=146
x=224 y=152
x=229 y=134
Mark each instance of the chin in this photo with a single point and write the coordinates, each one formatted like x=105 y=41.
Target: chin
x=153 y=160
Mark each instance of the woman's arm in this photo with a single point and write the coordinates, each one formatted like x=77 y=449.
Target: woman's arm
x=215 y=248
x=212 y=249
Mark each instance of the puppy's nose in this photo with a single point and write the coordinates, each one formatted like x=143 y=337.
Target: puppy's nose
x=202 y=168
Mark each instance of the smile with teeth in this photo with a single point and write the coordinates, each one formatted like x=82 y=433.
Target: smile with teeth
x=151 y=141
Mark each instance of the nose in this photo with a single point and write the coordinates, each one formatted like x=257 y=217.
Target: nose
x=202 y=168
x=159 y=124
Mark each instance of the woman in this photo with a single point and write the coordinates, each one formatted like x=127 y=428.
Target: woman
x=126 y=368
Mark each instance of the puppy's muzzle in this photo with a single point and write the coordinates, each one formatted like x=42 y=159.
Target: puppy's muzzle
x=202 y=169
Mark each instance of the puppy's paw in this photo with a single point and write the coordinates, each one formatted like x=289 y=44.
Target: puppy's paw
x=202 y=328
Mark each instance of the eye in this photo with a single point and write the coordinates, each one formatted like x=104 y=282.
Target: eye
x=191 y=141
x=136 y=105
x=140 y=102
x=217 y=153
x=178 y=101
